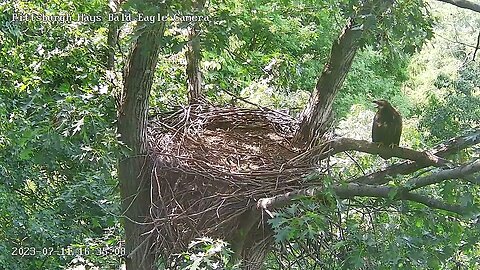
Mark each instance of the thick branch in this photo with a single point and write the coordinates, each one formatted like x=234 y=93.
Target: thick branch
x=463 y=4
x=438 y=177
x=345 y=144
x=351 y=190
x=442 y=150
x=315 y=118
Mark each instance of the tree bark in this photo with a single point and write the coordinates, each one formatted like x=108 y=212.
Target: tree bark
x=132 y=124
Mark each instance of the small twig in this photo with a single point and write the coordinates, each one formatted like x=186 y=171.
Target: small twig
x=476 y=47
x=354 y=161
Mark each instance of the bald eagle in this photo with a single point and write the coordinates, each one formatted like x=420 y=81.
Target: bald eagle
x=387 y=125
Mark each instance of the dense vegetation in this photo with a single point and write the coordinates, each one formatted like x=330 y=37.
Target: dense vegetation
x=59 y=195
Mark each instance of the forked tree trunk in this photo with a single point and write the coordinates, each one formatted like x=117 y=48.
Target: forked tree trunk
x=132 y=124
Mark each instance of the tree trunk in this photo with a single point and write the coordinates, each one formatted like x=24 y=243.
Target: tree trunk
x=111 y=42
x=194 y=81
x=316 y=117
x=132 y=124
x=194 y=75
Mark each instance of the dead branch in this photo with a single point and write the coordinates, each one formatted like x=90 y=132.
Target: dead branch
x=287 y=198
x=444 y=149
x=440 y=176
x=345 y=144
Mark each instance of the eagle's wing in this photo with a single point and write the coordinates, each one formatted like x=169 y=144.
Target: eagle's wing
x=396 y=129
x=379 y=129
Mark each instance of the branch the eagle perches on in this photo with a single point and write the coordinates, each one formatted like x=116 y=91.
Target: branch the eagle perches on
x=373 y=185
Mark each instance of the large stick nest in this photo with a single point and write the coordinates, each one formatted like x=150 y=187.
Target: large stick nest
x=211 y=165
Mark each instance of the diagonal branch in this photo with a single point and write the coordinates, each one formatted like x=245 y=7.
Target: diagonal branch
x=440 y=176
x=442 y=150
x=464 y=4
x=437 y=204
x=316 y=118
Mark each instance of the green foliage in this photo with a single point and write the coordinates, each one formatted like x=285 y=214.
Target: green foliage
x=393 y=236
x=57 y=138
x=206 y=253
x=263 y=51
x=444 y=79
x=380 y=68
x=272 y=53
x=381 y=233
x=58 y=142
x=368 y=80
x=455 y=107
x=299 y=221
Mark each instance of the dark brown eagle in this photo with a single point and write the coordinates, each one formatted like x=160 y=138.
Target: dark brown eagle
x=387 y=125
